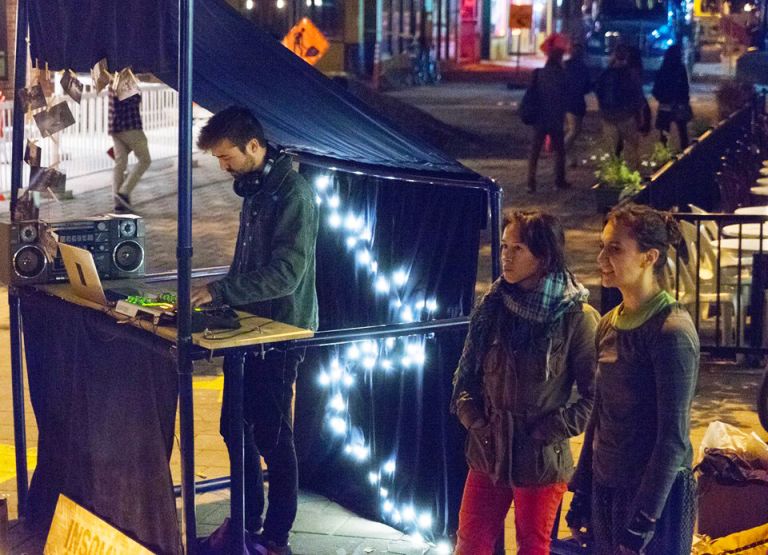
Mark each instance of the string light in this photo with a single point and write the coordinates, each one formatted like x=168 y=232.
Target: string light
x=357 y=234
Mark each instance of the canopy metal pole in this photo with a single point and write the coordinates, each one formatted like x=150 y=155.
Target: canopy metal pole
x=494 y=199
x=17 y=375
x=184 y=264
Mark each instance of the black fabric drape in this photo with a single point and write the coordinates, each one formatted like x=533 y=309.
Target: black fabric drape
x=104 y=397
x=432 y=233
x=235 y=62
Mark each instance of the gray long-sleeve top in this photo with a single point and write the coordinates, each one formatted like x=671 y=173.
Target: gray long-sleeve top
x=638 y=433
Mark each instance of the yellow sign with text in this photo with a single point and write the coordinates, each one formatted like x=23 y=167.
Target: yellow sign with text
x=306 y=41
x=76 y=530
x=520 y=16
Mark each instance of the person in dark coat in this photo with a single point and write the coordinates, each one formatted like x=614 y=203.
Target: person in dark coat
x=620 y=100
x=550 y=82
x=578 y=85
x=272 y=275
x=531 y=340
x=672 y=91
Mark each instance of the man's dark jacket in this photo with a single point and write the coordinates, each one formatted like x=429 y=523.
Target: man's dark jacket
x=273 y=271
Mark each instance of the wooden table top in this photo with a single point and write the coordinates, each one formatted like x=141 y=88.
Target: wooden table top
x=254 y=330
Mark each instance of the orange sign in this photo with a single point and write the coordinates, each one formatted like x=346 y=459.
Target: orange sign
x=520 y=16
x=306 y=41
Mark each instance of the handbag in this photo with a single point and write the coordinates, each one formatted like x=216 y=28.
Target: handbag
x=529 y=105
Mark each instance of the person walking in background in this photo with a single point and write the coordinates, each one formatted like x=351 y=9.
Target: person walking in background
x=621 y=101
x=549 y=83
x=672 y=91
x=634 y=491
x=128 y=136
x=578 y=85
x=530 y=339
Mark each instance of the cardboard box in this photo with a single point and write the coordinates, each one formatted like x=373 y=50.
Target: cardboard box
x=724 y=510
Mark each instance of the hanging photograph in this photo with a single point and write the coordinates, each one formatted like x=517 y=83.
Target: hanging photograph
x=26 y=208
x=100 y=76
x=54 y=119
x=32 y=98
x=126 y=85
x=47 y=180
x=43 y=78
x=33 y=154
x=72 y=85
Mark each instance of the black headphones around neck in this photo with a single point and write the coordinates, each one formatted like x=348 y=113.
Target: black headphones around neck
x=248 y=184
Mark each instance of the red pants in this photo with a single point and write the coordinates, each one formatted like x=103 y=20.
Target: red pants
x=485 y=505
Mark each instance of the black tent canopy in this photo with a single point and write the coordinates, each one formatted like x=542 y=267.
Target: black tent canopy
x=328 y=128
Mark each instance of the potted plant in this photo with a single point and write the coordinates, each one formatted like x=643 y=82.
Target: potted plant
x=660 y=155
x=615 y=182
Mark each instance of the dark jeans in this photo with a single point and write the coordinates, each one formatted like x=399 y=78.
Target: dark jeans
x=557 y=140
x=268 y=395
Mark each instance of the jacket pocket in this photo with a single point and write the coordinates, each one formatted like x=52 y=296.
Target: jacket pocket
x=479 y=449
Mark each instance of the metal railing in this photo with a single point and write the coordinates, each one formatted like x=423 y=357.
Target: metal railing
x=81 y=148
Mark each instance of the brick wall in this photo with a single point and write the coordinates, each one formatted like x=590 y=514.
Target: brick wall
x=10 y=17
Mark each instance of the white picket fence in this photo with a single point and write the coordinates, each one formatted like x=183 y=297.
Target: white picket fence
x=81 y=148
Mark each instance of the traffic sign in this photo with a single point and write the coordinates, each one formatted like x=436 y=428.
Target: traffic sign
x=306 y=41
x=520 y=16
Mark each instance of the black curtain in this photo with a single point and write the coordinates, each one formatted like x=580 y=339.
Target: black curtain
x=392 y=395
x=104 y=397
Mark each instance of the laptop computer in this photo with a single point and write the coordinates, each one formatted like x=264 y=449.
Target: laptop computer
x=84 y=278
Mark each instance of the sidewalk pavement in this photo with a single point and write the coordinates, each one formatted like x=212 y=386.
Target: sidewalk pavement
x=724 y=392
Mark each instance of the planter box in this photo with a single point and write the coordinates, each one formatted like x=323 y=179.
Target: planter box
x=605 y=198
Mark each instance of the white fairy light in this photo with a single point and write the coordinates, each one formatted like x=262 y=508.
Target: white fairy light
x=280 y=4
x=248 y=4
x=360 y=452
x=382 y=284
x=389 y=466
x=337 y=403
x=336 y=374
x=373 y=478
x=389 y=342
x=351 y=242
x=431 y=305
x=425 y=521
x=383 y=492
x=405 y=362
x=415 y=352
x=364 y=257
x=396 y=518
x=353 y=353
x=419 y=305
x=322 y=182
x=348 y=380
x=318 y=200
x=387 y=506
x=409 y=513
x=400 y=278
x=324 y=379
x=334 y=220
x=365 y=235
x=334 y=201
x=386 y=364
x=352 y=223
x=369 y=363
x=443 y=548
x=338 y=425
x=368 y=347
x=374 y=267
x=406 y=315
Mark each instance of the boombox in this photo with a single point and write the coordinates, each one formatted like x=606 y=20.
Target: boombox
x=117 y=244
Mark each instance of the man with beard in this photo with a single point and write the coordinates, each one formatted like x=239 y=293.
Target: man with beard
x=272 y=275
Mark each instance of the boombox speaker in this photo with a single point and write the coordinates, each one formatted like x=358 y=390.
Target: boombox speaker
x=117 y=244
